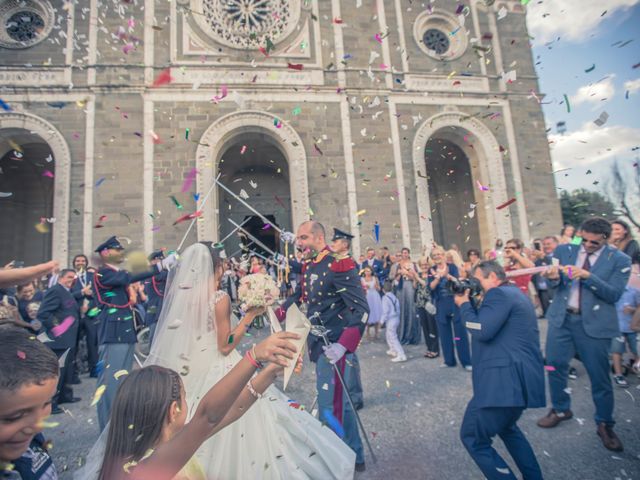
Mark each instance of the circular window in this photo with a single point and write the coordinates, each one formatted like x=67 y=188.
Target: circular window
x=440 y=35
x=436 y=40
x=247 y=23
x=25 y=22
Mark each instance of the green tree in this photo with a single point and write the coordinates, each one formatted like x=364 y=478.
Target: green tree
x=581 y=204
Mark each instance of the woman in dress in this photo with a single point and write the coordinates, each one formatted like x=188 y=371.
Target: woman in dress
x=402 y=274
x=622 y=239
x=447 y=313
x=197 y=337
x=425 y=309
x=372 y=287
x=567 y=233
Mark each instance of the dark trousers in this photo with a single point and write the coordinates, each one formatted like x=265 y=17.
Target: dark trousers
x=562 y=343
x=354 y=382
x=64 y=390
x=447 y=316
x=430 y=329
x=480 y=425
x=545 y=297
x=90 y=327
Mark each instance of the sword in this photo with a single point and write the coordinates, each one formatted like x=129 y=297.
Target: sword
x=234 y=230
x=257 y=242
x=321 y=331
x=264 y=219
x=193 y=222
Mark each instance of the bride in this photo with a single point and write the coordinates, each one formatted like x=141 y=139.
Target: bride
x=197 y=337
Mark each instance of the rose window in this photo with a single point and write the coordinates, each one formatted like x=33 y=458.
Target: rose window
x=436 y=40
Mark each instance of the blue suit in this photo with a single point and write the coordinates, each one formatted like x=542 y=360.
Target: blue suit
x=588 y=332
x=60 y=305
x=508 y=377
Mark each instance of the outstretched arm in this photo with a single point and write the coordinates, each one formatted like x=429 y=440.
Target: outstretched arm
x=227 y=337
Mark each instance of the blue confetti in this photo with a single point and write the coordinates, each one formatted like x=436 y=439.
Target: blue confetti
x=5 y=106
x=100 y=180
x=333 y=422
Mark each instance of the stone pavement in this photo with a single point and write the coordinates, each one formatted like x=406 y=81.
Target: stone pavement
x=413 y=413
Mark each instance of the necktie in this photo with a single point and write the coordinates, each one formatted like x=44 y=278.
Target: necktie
x=585 y=266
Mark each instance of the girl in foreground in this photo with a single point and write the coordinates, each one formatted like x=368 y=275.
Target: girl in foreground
x=148 y=437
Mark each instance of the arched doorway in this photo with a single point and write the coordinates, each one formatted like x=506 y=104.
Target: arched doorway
x=265 y=137
x=27 y=173
x=253 y=166
x=451 y=195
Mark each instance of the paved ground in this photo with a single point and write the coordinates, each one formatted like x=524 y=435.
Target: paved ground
x=413 y=413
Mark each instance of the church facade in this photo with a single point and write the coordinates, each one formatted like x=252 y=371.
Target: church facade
x=405 y=123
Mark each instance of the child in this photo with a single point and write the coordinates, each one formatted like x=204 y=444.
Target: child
x=626 y=307
x=371 y=286
x=28 y=380
x=391 y=316
x=148 y=435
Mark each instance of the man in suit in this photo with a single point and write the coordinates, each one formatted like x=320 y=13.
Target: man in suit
x=330 y=289
x=59 y=314
x=508 y=373
x=543 y=256
x=117 y=329
x=88 y=324
x=589 y=280
x=372 y=262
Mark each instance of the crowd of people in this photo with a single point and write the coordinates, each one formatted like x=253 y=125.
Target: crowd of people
x=88 y=317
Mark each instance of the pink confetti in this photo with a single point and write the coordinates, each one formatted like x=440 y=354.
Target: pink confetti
x=456 y=338
x=378 y=38
x=482 y=187
x=21 y=355
x=243 y=149
x=550 y=368
x=188 y=182
x=223 y=93
x=132 y=23
x=127 y=48
x=63 y=327
x=47 y=173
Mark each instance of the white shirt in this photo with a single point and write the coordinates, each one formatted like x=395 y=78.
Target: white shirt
x=574 y=293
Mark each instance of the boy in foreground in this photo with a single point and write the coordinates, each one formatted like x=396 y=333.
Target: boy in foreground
x=28 y=380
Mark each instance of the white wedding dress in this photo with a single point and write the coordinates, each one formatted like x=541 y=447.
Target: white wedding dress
x=271 y=440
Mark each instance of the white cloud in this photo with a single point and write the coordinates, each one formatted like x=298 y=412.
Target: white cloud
x=573 y=20
x=632 y=85
x=595 y=92
x=592 y=144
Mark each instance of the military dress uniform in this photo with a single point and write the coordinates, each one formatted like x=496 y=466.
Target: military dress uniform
x=116 y=327
x=331 y=287
x=154 y=288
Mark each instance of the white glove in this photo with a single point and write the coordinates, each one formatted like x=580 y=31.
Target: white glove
x=334 y=352
x=168 y=262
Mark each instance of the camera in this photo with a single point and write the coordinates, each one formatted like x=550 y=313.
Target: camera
x=458 y=287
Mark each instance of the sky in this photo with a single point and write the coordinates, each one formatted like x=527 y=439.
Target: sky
x=586 y=50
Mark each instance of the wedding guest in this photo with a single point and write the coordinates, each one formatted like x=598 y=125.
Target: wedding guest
x=154 y=288
x=403 y=274
x=473 y=258
x=372 y=287
x=544 y=258
x=625 y=307
x=391 y=317
x=590 y=275
x=373 y=263
x=59 y=314
x=425 y=309
x=454 y=257
x=32 y=316
x=26 y=294
x=566 y=234
x=515 y=259
x=385 y=261
x=622 y=239
x=447 y=312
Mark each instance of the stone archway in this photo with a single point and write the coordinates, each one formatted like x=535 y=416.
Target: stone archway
x=487 y=168
x=216 y=140
x=47 y=133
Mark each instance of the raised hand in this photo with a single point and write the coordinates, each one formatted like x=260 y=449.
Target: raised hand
x=277 y=348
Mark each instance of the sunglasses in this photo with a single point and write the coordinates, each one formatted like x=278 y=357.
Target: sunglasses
x=592 y=242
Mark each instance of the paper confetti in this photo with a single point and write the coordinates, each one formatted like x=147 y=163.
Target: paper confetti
x=63 y=327
x=5 y=106
x=120 y=373
x=188 y=181
x=98 y=395
x=506 y=204
x=21 y=355
x=163 y=78
x=566 y=102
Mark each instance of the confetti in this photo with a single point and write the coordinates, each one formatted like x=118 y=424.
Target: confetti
x=176 y=202
x=482 y=187
x=550 y=368
x=100 y=181
x=47 y=424
x=98 y=395
x=590 y=69
x=5 y=106
x=5 y=194
x=21 y=355
x=120 y=373
x=295 y=66
x=186 y=133
x=63 y=327
x=602 y=119
x=163 y=78
x=42 y=228
x=47 y=173
x=188 y=182
x=566 y=101
x=506 y=204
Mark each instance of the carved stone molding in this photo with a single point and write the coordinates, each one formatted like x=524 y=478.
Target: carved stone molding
x=212 y=147
x=490 y=171
x=62 y=179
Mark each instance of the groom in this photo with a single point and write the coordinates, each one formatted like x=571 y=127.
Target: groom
x=331 y=288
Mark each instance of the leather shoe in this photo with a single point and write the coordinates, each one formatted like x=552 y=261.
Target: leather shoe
x=553 y=418
x=360 y=467
x=69 y=400
x=56 y=410
x=609 y=438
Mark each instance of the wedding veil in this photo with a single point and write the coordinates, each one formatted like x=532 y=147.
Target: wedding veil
x=185 y=319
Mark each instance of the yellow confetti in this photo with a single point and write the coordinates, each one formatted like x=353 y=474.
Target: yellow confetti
x=129 y=465
x=361 y=212
x=98 y=395
x=130 y=427
x=15 y=146
x=451 y=75
x=120 y=373
x=388 y=383
x=46 y=424
x=42 y=228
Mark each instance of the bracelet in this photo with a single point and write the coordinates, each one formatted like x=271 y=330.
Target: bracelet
x=252 y=359
x=252 y=391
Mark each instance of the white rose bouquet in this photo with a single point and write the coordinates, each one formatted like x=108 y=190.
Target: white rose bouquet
x=257 y=290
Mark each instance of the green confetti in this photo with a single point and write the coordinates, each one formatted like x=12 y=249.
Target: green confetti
x=524 y=2
x=176 y=202
x=186 y=134
x=113 y=310
x=566 y=100
x=230 y=341
x=576 y=240
x=110 y=294
x=297 y=111
x=93 y=312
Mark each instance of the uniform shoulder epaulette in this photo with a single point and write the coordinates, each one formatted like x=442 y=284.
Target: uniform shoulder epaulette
x=342 y=264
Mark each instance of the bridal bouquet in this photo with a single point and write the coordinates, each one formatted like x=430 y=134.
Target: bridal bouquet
x=257 y=290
